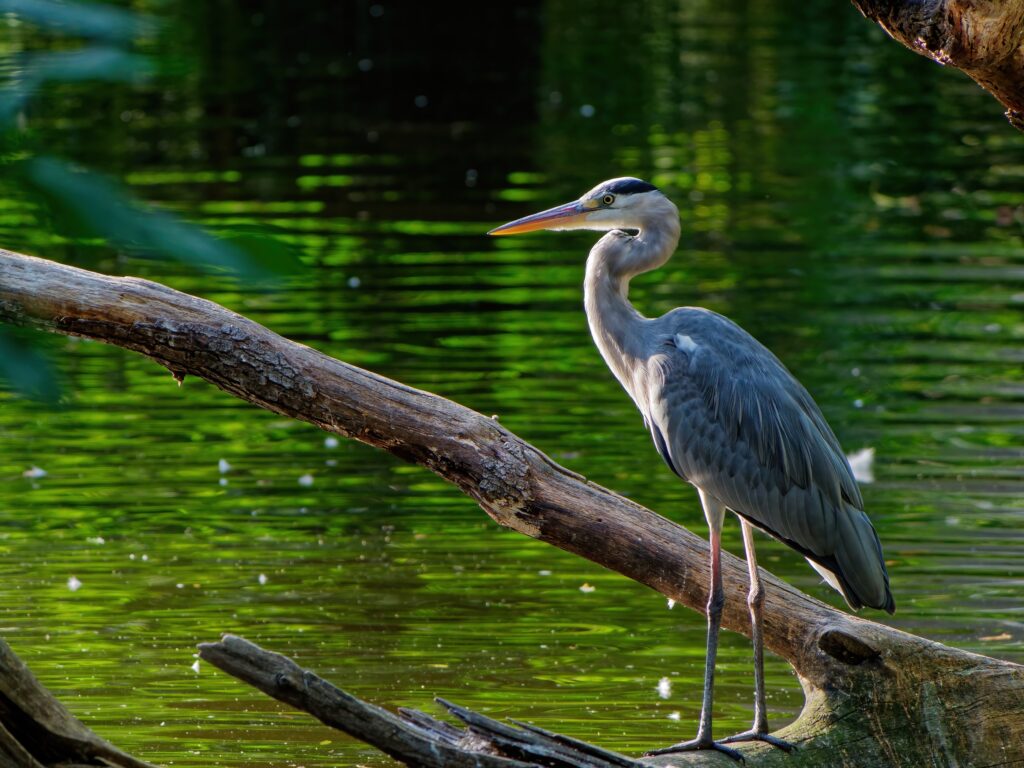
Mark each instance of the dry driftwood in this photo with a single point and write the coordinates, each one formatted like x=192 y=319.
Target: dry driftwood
x=413 y=737
x=875 y=696
x=37 y=731
x=984 y=38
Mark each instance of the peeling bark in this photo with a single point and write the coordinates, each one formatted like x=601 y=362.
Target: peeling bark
x=875 y=696
x=984 y=38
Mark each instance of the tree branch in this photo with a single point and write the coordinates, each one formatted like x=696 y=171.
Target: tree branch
x=875 y=695
x=37 y=731
x=413 y=737
x=984 y=38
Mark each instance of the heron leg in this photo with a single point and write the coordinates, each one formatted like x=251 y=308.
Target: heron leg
x=714 y=511
x=755 y=602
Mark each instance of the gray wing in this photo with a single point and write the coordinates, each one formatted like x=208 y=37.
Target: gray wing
x=728 y=417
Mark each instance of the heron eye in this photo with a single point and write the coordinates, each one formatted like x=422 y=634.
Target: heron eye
x=608 y=199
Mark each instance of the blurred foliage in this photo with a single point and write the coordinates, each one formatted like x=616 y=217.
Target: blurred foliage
x=82 y=204
x=82 y=19
x=26 y=367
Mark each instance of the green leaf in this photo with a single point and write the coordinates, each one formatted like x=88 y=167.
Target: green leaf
x=93 y=206
x=81 y=19
x=27 y=370
x=12 y=101
x=92 y=63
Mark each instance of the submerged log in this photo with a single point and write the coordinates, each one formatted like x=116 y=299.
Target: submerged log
x=984 y=38
x=875 y=696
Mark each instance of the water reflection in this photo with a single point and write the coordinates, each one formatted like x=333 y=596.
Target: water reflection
x=851 y=205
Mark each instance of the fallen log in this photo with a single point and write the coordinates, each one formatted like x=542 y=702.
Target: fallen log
x=875 y=696
x=37 y=731
x=984 y=38
x=413 y=737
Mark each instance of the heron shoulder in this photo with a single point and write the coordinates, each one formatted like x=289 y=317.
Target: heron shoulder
x=713 y=331
x=725 y=404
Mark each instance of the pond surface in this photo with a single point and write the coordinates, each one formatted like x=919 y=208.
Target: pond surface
x=853 y=206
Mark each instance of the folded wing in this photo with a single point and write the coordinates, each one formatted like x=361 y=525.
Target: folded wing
x=728 y=417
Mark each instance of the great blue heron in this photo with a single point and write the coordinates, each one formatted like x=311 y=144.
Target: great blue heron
x=727 y=417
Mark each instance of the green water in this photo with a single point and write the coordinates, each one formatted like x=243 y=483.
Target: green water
x=852 y=205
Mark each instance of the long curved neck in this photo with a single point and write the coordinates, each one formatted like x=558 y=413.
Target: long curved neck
x=616 y=258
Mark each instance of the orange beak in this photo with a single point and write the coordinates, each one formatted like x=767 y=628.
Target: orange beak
x=567 y=216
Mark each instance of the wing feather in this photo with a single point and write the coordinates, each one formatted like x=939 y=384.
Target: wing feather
x=728 y=417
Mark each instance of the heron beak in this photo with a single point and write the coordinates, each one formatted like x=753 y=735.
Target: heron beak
x=568 y=216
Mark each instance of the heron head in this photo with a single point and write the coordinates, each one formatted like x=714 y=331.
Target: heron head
x=613 y=204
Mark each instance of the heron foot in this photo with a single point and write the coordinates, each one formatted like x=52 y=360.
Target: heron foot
x=695 y=744
x=767 y=738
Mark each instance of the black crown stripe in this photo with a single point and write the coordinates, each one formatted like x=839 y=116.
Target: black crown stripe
x=630 y=187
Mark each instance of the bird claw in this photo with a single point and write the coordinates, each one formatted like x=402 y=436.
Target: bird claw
x=767 y=738
x=695 y=744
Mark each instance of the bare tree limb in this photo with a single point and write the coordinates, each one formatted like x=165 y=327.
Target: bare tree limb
x=413 y=737
x=37 y=731
x=984 y=38
x=874 y=695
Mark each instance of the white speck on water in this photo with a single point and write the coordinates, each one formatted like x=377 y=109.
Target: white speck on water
x=858 y=403
x=544 y=572
x=179 y=585
x=262 y=578
x=195 y=667
x=223 y=466
x=953 y=521
x=685 y=343
x=96 y=540
x=74 y=584
x=993 y=328
x=664 y=688
x=855 y=372
x=587 y=110
x=365 y=65
x=330 y=442
x=673 y=715
x=587 y=588
x=131 y=555
x=306 y=480
x=223 y=481
x=376 y=10
x=862 y=463
x=420 y=101
x=671 y=603
x=145 y=558
x=471 y=177
x=354 y=282
x=34 y=473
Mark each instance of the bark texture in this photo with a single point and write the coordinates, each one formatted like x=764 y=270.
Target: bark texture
x=37 y=731
x=984 y=38
x=875 y=696
x=413 y=737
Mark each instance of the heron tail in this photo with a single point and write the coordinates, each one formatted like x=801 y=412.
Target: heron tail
x=860 y=572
